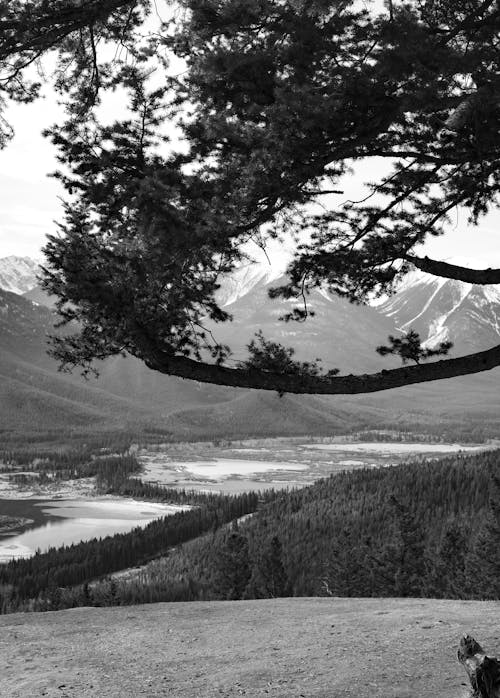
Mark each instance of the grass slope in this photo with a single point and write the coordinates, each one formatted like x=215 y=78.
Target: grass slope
x=285 y=648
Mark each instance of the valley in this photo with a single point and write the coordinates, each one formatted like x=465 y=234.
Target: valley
x=135 y=470
x=249 y=349
x=50 y=512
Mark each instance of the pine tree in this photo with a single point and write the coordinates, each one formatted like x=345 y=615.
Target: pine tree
x=483 y=561
x=232 y=566
x=269 y=578
x=282 y=97
x=410 y=571
x=446 y=575
x=86 y=595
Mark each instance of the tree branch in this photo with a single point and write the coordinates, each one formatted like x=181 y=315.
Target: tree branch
x=452 y=271
x=326 y=385
x=48 y=29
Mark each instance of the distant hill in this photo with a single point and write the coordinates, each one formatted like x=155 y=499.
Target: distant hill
x=34 y=394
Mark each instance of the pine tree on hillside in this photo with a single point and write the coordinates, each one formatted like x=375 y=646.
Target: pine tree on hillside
x=410 y=571
x=350 y=569
x=269 y=578
x=277 y=101
x=483 y=562
x=447 y=567
x=232 y=566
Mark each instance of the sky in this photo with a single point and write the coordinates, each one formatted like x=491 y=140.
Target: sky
x=30 y=201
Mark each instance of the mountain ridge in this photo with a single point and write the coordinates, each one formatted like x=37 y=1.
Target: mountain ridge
x=446 y=310
x=18 y=274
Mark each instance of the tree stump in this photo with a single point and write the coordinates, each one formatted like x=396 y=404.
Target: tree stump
x=483 y=671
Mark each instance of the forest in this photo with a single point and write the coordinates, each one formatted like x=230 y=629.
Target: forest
x=422 y=529
x=45 y=575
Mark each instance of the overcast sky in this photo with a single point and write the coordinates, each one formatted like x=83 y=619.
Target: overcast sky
x=30 y=205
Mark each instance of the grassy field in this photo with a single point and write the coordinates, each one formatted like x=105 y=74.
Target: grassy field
x=284 y=648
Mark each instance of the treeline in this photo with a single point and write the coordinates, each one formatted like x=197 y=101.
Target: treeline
x=427 y=529
x=39 y=457
x=32 y=582
x=110 y=471
x=466 y=431
x=60 y=439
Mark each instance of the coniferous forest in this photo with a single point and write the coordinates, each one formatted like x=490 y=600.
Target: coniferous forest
x=423 y=529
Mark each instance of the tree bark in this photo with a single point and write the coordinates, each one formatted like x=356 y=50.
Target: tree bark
x=483 y=671
x=452 y=271
x=321 y=385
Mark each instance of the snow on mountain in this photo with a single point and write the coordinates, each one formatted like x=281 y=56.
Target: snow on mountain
x=439 y=309
x=18 y=274
x=244 y=279
x=445 y=309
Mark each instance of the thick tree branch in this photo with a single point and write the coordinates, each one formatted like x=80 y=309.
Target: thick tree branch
x=452 y=271
x=338 y=385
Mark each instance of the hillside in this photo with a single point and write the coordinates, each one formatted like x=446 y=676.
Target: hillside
x=284 y=648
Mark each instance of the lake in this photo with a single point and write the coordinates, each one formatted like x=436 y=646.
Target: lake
x=282 y=464
x=63 y=522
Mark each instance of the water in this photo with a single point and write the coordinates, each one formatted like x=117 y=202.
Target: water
x=71 y=521
x=222 y=467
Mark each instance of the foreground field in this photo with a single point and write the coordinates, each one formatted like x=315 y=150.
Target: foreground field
x=285 y=648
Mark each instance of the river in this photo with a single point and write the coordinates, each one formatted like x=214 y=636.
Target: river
x=65 y=521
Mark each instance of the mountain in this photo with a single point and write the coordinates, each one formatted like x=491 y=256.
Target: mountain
x=243 y=280
x=35 y=395
x=444 y=309
x=18 y=274
x=127 y=392
x=343 y=335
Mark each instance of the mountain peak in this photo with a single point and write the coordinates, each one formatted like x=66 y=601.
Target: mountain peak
x=18 y=274
x=441 y=309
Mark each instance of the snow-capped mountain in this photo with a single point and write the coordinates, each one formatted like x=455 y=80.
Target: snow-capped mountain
x=244 y=279
x=438 y=309
x=444 y=309
x=18 y=274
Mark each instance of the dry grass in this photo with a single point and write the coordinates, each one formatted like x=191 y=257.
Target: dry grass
x=285 y=648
